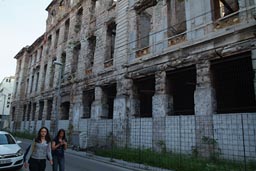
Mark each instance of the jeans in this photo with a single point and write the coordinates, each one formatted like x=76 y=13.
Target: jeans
x=37 y=164
x=58 y=162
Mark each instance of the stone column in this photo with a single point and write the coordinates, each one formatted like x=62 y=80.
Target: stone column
x=205 y=107
x=53 y=116
x=162 y=106
x=77 y=111
x=44 y=112
x=36 y=115
x=121 y=112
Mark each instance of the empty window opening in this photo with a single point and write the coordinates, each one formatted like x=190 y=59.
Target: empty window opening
x=76 y=52
x=110 y=93
x=144 y=26
x=91 y=51
x=67 y=23
x=65 y=111
x=63 y=61
x=40 y=53
x=13 y=113
x=49 y=43
x=24 y=112
x=32 y=83
x=176 y=17
x=33 y=111
x=92 y=10
x=182 y=85
x=49 y=109
x=56 y=38
x=44 y=76
x=79 y=17
x=111 y=36
x=41 y=108
x=37 y=78
x=233 y=83
x=223 y=8
x=28 y=112
x=52 y=72
x=27 y=87
x=146 y=90
x=88 y=98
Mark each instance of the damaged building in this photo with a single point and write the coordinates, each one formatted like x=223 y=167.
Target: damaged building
x=143 y=73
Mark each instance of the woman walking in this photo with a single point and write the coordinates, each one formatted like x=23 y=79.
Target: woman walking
x=59 y=144
x=38 y=152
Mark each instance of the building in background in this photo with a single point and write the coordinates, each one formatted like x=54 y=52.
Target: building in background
x=6 y=90
x=158 y=74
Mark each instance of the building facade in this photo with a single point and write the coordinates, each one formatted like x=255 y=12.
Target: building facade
x=143 y=72
x=6 y=89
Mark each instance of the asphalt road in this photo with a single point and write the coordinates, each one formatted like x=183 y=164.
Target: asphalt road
x=75 y=162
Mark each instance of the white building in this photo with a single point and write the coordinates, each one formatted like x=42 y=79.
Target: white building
x=6 y=90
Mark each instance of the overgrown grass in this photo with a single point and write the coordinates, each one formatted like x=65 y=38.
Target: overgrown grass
x=25 y=135
x=173 y=161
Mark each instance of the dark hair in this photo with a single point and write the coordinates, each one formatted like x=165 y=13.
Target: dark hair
x=64 y=136
x=47 y=136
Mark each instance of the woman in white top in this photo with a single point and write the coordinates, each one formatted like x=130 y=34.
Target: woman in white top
x=39 y=150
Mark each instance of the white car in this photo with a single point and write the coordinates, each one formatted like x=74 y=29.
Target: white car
x=11 y=154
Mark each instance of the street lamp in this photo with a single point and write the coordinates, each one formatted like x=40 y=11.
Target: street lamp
x=58 y=97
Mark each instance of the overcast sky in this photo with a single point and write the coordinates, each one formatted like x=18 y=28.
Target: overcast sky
x=21 y=23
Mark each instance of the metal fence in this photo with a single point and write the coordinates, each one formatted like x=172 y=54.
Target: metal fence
x=222 y=142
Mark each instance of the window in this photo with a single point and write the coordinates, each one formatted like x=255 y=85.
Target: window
x=67 y=23
x=176 y=17
x=78 y=24
x=49 y=109
x=65 y=111
x=76 y=52
x=91 y=51
x=31 y=85
x=49 y=42
x=182 y=85
x=24 y=112
x=63 y=61
x=233 y=80
x=6 y=139
x=144 y=27
x=146 y=90
x=56 y=38
x=88 y=98
x=111 y=36
x=52 y=73
x=224 y=7
x=41 y=108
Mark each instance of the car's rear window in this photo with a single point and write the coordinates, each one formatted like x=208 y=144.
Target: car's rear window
x=6 y=139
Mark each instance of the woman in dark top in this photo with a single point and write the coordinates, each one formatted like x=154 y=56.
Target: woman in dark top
x=59 y=144
x=38 y=152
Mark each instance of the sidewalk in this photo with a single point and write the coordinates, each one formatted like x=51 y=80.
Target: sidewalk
x=116 y=162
